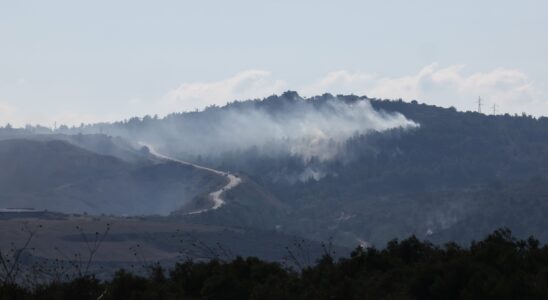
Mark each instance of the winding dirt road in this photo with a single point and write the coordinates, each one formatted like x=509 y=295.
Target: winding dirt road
x=215 y=196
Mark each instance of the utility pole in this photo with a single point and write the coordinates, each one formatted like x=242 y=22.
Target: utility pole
x=494 y=109
x=479 y=105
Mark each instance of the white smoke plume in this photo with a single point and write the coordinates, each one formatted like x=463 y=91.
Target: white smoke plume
x=299 y=127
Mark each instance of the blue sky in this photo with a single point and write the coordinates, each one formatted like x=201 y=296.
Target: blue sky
x=87 y=61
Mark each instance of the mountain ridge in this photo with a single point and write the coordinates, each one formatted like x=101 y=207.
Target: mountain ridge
x=379 y=178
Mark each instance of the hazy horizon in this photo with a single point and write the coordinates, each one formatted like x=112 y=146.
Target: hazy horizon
x=70 y=63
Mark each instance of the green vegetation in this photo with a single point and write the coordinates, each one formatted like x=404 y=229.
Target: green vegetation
x=456 y=177
x=497 y=267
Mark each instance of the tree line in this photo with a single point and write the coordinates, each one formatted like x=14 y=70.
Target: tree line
x=498 y=267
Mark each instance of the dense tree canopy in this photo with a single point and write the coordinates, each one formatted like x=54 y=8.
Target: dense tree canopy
x=497 y=267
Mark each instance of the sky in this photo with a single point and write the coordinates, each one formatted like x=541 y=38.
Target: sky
x=87 y=61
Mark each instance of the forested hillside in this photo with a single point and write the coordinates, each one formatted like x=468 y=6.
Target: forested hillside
x=360 y=170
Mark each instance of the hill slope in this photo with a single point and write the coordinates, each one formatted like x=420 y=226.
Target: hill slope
x=56 y=175
x=360 y=169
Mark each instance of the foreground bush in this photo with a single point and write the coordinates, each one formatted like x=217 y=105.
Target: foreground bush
x=498 y=267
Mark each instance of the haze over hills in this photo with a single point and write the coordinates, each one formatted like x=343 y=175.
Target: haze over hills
x=58 y=176
x=356 y=169
x=268 y=150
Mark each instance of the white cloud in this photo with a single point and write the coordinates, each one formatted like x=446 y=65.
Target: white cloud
x=511 y=90
x=341 y=81
x=248 y=84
